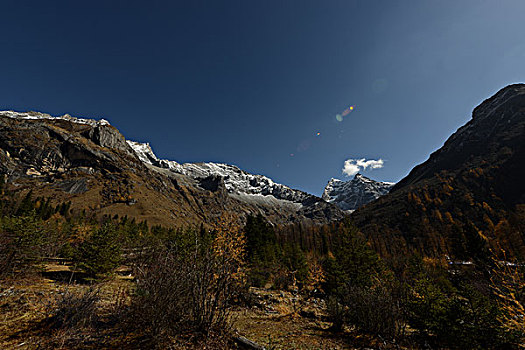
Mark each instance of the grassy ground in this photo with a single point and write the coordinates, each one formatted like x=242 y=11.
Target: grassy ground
x=280 y=320
x=276 y=320
x=26 y=305
x=286 y=331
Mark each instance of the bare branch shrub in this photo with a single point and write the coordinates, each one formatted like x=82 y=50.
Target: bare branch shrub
x=186 y=286
x=508 y=284
x=72 y=311
x=375 y=310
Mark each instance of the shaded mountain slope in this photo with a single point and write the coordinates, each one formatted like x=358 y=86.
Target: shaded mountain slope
x=469 y=195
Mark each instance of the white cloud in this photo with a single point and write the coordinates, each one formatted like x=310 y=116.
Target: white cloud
x=353 y=166
x=350 y=168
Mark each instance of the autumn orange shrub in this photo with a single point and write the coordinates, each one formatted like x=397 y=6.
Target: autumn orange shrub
x=508 y=284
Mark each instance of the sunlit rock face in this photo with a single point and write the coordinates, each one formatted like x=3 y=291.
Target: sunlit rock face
x=353 y=194
x=90 y=163
x=242 y=185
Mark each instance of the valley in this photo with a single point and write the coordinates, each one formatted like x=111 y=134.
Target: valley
x=104 y=245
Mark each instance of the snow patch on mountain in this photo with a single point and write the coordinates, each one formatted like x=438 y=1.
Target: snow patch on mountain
x=235 y=180
x=352 y=194
x=38 y=115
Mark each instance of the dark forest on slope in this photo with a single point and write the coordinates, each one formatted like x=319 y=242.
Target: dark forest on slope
x=469 y=196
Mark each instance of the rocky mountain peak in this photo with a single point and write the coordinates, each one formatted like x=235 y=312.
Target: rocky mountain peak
x=236 y=181
x=91 y=164
x=32 y=115
x=352 y=194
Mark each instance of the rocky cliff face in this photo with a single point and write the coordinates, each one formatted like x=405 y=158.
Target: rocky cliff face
x=241 y=185
x=92 y=165
x=467 y=197
x=37 y=144
x=353 y=194
x=236 y=181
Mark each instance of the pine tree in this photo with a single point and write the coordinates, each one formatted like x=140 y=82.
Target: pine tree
x=353 y=262
x=262 y=249
x=100 y=253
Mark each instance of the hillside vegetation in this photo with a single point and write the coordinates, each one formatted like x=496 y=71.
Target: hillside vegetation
x=189 y=287
x=436 y=263
x=468 y=198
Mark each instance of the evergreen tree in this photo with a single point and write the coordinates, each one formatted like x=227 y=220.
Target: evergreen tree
x=261 y=241
x=261 y=248
x=101 y=252
x=295 y=261
x=26 y=205
x=353 y=262
x=21 y=242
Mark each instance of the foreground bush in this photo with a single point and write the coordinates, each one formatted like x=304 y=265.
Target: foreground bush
x=375 y=310
x=74 y=311
x=455 y=317
x=188 y=285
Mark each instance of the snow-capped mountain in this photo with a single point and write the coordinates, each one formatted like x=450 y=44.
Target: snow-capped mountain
x=236 y=181
x=38 y=115
x=90 y=163
x=352 y=194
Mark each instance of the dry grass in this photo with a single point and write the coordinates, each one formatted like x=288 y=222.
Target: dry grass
x=26 y=309
x=278 y=320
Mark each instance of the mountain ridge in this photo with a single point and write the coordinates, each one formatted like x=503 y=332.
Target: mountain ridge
x=90 y=163
x=237 y=181
x=467 y=198
x=353 y=194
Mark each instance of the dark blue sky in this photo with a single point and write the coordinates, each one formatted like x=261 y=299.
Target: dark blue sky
x=252 y=82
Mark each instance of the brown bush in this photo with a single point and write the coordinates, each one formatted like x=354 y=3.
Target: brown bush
x=72 y=311
x=187 y=287
x=508 y=284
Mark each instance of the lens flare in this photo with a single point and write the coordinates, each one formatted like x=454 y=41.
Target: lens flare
x=306 y=144
x=347 y=111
